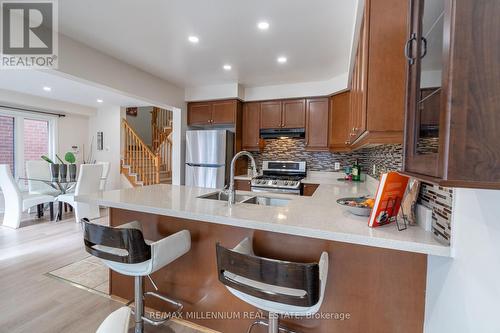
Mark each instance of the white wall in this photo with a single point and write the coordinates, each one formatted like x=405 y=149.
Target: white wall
x=463 y=293
x=290 y=90
x=142 y=123
x=87 y=64
x=14 y=98
x=108 y=120
x=73 y=130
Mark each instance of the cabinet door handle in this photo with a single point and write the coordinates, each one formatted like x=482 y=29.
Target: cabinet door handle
x=424 y=45
x=347 y=142
x=408 y=45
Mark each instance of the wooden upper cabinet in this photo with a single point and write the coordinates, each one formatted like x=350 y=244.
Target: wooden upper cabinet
x=377 y=98
x=294 y=113
x=453 y=118
x=270 y=114
x=386 y=81
x=339 y=122
x=251 y=126
x=317 y=123
x=224 y=112
x=199 y=113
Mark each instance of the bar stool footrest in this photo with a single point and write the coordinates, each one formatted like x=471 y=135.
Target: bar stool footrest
x=261 y=322
x=156 y=322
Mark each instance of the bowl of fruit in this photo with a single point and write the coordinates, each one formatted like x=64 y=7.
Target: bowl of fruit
x=361 y=206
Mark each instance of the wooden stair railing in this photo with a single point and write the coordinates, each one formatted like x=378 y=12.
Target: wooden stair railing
x=161 y=128
x=139 y=157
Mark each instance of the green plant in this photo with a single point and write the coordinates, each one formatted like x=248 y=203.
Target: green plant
x=70 y=157
x=46 y=159
x=62 y=162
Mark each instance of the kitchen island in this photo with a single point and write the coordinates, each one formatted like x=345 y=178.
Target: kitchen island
x=377 y=276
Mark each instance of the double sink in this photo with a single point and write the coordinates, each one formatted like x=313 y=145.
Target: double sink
x=247 y=199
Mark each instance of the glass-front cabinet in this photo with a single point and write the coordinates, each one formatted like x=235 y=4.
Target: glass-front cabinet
x=452 y=119
x=425 y=54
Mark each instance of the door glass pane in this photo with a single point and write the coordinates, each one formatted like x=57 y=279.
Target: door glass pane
x=36 y=139
x=7 y=141
x=429 y=104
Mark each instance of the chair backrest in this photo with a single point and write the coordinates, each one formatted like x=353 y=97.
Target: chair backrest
x=299 y=276
x=38 y=170
x=105 y=174
x=103 y=242
x=13 y=197
x=89 y=179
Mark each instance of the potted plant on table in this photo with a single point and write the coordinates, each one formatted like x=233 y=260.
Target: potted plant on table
x=54 y=168
x=71 y=159
x=63 y=169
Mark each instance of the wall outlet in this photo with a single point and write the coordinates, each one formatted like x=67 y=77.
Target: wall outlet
x=374 y=170
x=337 y=166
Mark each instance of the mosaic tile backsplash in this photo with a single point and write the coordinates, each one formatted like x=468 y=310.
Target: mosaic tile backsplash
x=384 y=158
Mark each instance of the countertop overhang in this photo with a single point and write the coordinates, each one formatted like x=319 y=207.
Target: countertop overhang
x=317 y=216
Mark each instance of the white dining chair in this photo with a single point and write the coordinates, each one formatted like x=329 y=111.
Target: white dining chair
x=117 y=322
x=39 y=170
x=88 y=181
x=15 y=201
x=105 y=174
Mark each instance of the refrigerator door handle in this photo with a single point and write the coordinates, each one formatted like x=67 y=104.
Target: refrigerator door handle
x=205 y=165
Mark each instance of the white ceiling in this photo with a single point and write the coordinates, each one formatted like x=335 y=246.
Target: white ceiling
x=63 y=89
x=315 y=36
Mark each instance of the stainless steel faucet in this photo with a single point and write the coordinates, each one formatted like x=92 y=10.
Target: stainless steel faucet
x=231 y=191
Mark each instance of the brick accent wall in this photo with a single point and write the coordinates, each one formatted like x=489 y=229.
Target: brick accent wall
x=36 y=139
x=7 y=141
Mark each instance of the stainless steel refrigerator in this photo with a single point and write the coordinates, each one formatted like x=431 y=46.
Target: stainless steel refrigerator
x=208 y=157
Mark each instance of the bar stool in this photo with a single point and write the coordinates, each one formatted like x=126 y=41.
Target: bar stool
x=124 y=250
x=276 y=286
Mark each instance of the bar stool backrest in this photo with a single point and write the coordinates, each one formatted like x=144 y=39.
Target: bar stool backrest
x=123 y=245
x=286 y=274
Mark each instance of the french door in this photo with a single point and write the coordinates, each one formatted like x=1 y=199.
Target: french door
x=25 y=137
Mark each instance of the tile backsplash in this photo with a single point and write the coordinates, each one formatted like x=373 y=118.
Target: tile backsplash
x=384 y=158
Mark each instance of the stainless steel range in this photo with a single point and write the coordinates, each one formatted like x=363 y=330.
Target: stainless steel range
x=280 y=177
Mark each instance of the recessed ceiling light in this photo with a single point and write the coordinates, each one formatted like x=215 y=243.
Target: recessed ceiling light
x=99 y=100
x=282 y=60
x=263 y=25
x=47 y=88
x=193 y=39
x=227 y=67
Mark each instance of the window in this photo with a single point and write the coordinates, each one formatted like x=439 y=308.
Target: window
x=24 y=137
x=7 y=141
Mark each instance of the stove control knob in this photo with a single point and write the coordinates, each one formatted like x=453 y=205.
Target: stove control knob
x=287 y=183
x=275 y=182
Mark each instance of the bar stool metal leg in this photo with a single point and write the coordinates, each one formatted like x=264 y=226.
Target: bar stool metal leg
x=139 y=305
x=273 y=323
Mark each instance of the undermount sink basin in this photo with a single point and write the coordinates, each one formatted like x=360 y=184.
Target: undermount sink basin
x=248 y=199
x=267 y=201
x=222 y=196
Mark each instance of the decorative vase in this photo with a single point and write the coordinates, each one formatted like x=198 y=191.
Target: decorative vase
x=63 y=171
x=54 y=171
x=72 y=172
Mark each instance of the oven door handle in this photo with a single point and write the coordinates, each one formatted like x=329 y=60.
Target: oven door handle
x=275 y=190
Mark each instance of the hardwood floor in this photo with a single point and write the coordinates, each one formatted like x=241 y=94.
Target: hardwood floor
x=32 y=301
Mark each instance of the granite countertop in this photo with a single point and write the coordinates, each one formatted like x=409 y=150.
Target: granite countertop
x=317 y=216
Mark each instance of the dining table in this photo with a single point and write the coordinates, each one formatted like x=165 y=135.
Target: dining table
x=63 y=186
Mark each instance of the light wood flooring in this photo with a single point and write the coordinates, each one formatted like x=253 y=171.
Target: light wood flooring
x=31 y=300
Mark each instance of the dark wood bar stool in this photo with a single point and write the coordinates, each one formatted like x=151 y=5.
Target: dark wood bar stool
x=125 y=251
x=276 y=286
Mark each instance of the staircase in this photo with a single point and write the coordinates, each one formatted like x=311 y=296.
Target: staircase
x=146 y=165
